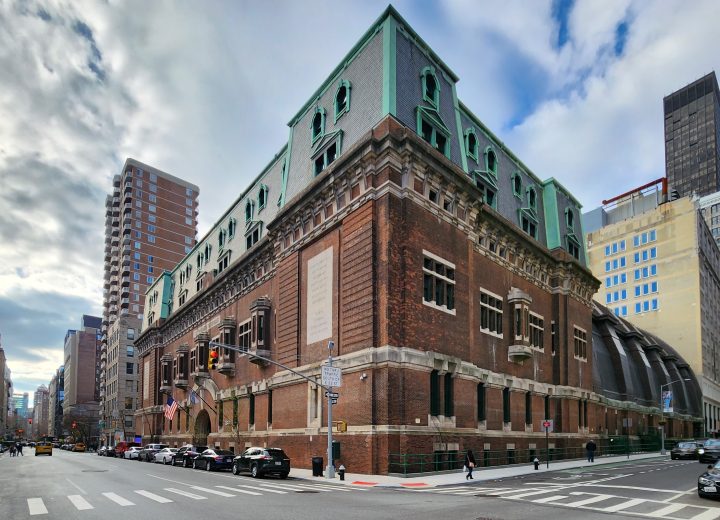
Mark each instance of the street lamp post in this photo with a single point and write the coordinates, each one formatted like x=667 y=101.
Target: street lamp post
x=662 y=406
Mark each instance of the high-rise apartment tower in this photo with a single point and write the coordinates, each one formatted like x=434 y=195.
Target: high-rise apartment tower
x=150 y=225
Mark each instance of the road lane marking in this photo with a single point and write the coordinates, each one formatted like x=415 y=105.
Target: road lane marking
x=639 y=488
x=76 y=486
x=240 y=490
x=624 y=505
x=666 y=510
x=213 y=491
x=79 y=502
x=152 y=496
x=690 y=491
x=549 y=499
x=36 y=506
x=710 y=514
x=325 y=487
x=523 y=495
x=580 y=503
x=264 y=489
x=286 y=487
x=118 y=499
x=186 y=494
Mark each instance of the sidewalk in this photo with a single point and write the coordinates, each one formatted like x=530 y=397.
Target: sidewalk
x=479 y=474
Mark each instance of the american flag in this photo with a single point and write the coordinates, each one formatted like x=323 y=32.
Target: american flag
x=170 y=408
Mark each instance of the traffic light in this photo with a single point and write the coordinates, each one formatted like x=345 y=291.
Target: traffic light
x=29 y=421
x=74 y=425
x=213 y=358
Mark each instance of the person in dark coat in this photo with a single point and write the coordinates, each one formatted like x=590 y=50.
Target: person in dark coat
x=469 y=464
x=590 y=447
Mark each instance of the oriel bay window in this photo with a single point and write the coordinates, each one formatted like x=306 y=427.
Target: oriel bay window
x=520 y=347
x=226 y=364
x=260 y=317
x=244 y=331
x=182 y=364
x=165 y=373
x=438 y=283
x=201 y=355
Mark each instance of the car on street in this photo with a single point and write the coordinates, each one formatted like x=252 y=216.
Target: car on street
x=43 y=448
x=165 y=455
x=148 y=452
x=214 y=459
x=101 y=451
x=79 y=447
x=709 y=482
x=122 y=447
x=262 y=461
x=710 y=451
x=187 y=454
x=132 y=452
x=685 y=450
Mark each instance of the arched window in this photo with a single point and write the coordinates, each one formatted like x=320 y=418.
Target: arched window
x=491 y=164
x=517 y=184
x=318 y=124
x=262 y=196
x=532 y=198
x=342 y=99
x=232 y=225
x=249 y=210
x=430 y=86
x=570 y=218
x=471 y=143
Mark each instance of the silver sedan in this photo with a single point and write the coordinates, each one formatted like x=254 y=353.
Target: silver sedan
x=165 y=455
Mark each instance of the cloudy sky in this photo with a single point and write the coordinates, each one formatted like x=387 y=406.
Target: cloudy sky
x=204 y=90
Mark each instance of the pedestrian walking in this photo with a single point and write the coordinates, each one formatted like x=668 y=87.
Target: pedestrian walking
x=12 y=450
x=590 y=447
x=469 y=464
x=19 y=449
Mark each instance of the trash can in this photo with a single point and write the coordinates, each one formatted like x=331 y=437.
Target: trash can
x=317 y=466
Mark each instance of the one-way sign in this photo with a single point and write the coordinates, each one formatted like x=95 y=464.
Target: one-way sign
x=334 y=395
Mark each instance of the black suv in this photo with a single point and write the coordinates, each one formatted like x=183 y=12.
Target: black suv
x=187 y=454
x=262 y=461
x=148 y=452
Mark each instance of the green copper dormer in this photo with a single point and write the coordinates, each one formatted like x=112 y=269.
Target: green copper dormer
x=562 y=220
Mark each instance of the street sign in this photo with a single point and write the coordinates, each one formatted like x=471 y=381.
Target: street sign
x=331 y=376
x=333 y=401
x=548 y=425
x=334 y=395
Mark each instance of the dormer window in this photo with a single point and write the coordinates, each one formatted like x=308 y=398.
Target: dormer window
x=232 y=226
x=471 y=144
x=222 y=236
x=570 y=218
x=208 y=252
x=262 y=196
x=249 y=210
x=430 y=86
x=342 y=99
x=517 y=184
x=318 y=124
x=532 y=198
x=491 y=161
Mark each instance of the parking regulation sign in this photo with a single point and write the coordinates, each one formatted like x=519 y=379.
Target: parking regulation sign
x=331 y=376
x=547 y=425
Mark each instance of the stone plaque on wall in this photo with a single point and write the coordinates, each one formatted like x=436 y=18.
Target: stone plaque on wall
x=319 y=296
x=146 y=380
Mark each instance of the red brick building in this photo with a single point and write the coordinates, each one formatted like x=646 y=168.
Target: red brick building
x=462 y=316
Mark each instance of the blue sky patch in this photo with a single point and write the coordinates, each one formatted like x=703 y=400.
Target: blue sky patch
x=561 y=12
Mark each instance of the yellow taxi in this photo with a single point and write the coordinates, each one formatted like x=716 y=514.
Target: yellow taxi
x=80 y=446
x=43 y=448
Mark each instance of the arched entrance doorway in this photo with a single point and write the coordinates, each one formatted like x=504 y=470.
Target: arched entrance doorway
x=202 y=428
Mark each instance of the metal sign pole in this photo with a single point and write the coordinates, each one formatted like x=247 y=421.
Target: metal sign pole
x=331 y=464
x=547 y=447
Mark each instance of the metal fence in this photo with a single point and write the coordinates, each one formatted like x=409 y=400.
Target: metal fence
x=438 y=461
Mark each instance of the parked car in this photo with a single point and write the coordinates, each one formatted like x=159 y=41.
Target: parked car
x=187 y=454
x=212 y=459
x=685 y=450
x=43 y=448
x=101 y=451
x=79 y=447
x=109 y=451
x=148 y=452
x=262 y=461
x=122 y=447
x=710 y=451
x=165 y=455
x=132 y=452
x=709 y=482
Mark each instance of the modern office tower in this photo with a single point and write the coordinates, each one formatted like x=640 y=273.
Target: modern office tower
x=41 y=402
x=20 y=404
x=5 y=384
x=150 y=225
x=710 y=210
x=660 y=269
x=55 y=407
x=82 y=353
x=450 y=278
x=692 y=137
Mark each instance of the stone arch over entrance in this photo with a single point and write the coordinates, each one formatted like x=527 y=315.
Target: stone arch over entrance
x=202 y=428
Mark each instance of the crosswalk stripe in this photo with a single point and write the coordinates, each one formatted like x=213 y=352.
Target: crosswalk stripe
x=152 y=496
x=79 y=502
x=281 y=486
x=666 y=510
x=264 y=489
x=523 y=495
x=213 y=491
x=325 y=487
x=624 y=505
x=186 y=494
x=36 y=506
x=240 y=490
x=591 y=500
x=710 y=514
x=549 y=499
x=118 y=499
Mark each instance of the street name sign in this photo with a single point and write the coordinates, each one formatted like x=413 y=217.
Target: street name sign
x=334 y=395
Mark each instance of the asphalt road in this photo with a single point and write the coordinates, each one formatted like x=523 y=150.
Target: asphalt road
x=85 y=486
x=651 y=489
